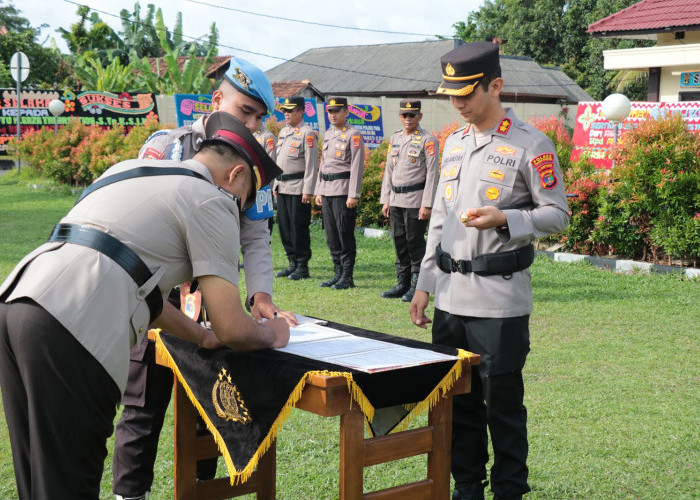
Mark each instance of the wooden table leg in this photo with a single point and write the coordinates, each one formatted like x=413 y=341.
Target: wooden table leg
x=185 y=445
x=352 y=455
x=267 y=474
x=440 y=419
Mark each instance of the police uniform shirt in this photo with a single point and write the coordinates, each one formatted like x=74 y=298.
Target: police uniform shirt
x=180 y=227
x=343 y=151
x=516 y=165
x=297 y=152
x=182 y=144
x=267 y=140
x=411 y=160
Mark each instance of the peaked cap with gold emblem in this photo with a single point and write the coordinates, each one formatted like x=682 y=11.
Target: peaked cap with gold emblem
x=409 y=106
x=464 y=67
x=337 y=103
x=291 y=103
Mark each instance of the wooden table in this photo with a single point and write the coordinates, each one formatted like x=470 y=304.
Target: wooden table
x=328 y=396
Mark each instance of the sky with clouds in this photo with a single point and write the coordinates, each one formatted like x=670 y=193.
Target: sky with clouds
x=266 y=41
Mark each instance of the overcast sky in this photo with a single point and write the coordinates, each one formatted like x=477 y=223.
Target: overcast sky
x=248 y=36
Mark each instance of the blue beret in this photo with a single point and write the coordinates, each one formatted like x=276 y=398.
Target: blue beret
x=251 y=81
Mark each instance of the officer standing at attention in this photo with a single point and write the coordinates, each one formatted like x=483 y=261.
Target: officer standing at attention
x=297 y=156
x=408 y=189
x=268 y=141
x=71 y=309
x=338 y=191
x=246 y=93
x=500 y=187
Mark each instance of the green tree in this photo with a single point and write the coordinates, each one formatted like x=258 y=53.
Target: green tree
x=555 y=32
x=98 y=38
x=46 y=69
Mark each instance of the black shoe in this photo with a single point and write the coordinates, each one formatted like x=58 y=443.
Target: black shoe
x=337 y=272
x=300 y=273
x=288 y=271
x=471 y=491
x=408 y=296
x=344 y=283
x=403 y=283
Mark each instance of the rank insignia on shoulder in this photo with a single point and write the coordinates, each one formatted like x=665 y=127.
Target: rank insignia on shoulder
x=504 y=126
x=227 y=400
x=152 y=154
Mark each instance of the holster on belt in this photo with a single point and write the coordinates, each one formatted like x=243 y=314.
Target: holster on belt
x=487 y=264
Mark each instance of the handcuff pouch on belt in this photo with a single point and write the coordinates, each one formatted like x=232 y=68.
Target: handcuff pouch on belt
x=487 y=264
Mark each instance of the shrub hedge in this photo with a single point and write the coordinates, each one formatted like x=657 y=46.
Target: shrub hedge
x=646 y=207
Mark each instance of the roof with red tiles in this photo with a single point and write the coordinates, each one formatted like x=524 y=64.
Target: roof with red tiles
x=292 y=88
x=650 y=16
x=159 y=66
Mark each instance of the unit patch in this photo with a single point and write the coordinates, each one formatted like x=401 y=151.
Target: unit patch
x=310 y=141
x=544 y=164
x=493 y=193
x=356 y=142
x=430 y=148
x=270 y=144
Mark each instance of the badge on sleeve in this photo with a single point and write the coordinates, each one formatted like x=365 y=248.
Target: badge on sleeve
x=310 y=141
x=430 y=148
x=270 y=144
x=356 y=141
x=152 y=154
x=544 y=164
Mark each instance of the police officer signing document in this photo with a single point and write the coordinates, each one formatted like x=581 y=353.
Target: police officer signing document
x=408 y=189
x=500 y=187
x=297 y=156
x=246 y=93
x=338 y=191
x=71 y=309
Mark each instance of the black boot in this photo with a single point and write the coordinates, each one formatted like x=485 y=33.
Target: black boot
x=471 y=491
x=408 y=296
x=345 y=280
x=403 y=283
x=301 y=272
x=337 y=272
x=288 y=271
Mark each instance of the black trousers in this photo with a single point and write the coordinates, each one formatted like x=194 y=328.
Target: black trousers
x=146 y=401
x=339 y=224
x=409 y=238
x=496 y=401
x=59 y=404
x=293 y=219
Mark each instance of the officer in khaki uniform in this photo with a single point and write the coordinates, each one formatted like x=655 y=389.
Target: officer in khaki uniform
x=338 y=191
x=269 y=142
x=72 y=308
x=246 y=93
x=297 y=154
x=500 y=187
x=408 y=189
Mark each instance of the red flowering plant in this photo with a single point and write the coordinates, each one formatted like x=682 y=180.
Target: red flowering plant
x=555 y=129
x=654 y=193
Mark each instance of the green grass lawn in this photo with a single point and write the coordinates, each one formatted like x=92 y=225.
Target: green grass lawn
x=612 y=382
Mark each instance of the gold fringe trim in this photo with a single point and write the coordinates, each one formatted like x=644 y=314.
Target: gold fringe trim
x=241 y=476
x=438 y=392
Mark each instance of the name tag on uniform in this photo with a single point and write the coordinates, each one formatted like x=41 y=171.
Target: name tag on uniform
x=264 y=207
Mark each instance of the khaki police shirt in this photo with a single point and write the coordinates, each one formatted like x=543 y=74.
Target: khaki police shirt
x=411 y=159
x=297 y=152
x=182 y=144
x=267 y=140
x=181 y=227
x=516 y=165
x=343 y=151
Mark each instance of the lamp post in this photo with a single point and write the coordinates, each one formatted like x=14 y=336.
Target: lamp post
x=615 y=108
x=56 y=108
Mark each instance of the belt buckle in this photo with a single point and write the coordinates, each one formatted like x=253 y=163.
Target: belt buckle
x=456 y=266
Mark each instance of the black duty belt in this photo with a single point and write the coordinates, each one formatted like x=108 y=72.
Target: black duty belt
x=487 y=264
x=290 y=177
x=335 y=177
x=408 y=189
x=115 y=250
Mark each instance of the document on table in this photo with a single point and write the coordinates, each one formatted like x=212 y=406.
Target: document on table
x=320 y=342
